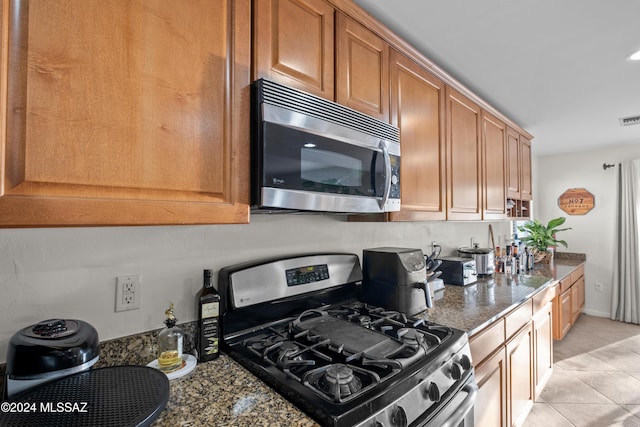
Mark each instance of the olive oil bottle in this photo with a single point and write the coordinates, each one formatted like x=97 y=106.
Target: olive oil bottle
x=170 y=341
x=208 y=320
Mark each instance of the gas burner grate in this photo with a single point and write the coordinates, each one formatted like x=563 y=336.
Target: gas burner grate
x=340 y=383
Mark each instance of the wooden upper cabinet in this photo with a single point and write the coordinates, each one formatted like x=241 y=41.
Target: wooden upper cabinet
x=513 y=164
x=525 y=168
x=125 y=113
x=293 y=44
x=463 y=144
x=518 y=166
x=362 y=69
x=417 y=108
x=494 y=167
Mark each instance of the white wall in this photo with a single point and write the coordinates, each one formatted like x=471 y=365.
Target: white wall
x=592 y=233
x=70 y=272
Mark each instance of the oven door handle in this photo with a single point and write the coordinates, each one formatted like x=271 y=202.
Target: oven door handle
x=387 y=172
x=467 y=405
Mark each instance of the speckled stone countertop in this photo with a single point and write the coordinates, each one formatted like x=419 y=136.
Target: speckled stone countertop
x=223 y=393
x=474 y=307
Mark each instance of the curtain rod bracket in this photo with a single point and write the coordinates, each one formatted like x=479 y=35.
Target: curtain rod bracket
x=606 y=166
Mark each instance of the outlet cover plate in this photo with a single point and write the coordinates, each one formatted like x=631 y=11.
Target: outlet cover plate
x=128 y=292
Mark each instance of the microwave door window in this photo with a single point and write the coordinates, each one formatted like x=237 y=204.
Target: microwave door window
x=328 y=171
x=297 y=160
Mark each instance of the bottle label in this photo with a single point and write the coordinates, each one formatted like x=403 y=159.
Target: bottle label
x=209 y=336
x=211 y=309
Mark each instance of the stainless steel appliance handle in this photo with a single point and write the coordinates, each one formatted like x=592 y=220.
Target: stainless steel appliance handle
x=467 y=405
x=427 y=294
x=387 y=172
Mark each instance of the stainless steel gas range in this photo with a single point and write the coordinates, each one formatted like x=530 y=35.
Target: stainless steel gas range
x=297 y=324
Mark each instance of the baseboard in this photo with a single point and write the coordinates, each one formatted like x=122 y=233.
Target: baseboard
x=597 y=313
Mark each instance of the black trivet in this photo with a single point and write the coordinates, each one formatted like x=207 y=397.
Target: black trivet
x=115 y=396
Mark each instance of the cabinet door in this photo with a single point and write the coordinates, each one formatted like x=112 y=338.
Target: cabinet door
x=125 y=112
x=543 y=345
x=580 y=285
x=525 y=169
x=513 y=164
x=417 y=108
x=463 y=157
x=362 y=69
x=575 y=303
x=293 y=43
x=565 y=311
x=490 y=409
x=520 y=382
x=494 y=159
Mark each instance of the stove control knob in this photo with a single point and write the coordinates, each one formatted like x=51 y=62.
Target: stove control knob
x=465 y=362
x=433 y=392
x=399 y=417
x=455 y=371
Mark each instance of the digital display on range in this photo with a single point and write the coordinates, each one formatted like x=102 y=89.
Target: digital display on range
x=308 y=274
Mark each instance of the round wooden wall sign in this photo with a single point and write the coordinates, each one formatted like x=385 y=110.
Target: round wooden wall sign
x=576 y=201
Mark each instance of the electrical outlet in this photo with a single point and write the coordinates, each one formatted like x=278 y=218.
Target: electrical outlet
x=128 y=292
x=599 y=286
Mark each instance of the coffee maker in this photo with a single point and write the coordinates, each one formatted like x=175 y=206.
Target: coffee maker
x=396 y=279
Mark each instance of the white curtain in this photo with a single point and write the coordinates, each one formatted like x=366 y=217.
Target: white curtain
x=625 y=298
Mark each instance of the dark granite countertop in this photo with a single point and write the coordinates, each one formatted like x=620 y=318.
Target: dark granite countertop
x=223 y=393
x=473 y=307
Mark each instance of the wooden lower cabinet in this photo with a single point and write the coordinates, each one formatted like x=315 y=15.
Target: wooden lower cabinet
x=490 y=409
x=520 y=375
x=577 y=299
x=564 y=314
x=511 y=372
x=543 y=345
x=569 y=303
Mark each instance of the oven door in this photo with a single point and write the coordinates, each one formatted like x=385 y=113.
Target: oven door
x=458 y=412
x=310 y=164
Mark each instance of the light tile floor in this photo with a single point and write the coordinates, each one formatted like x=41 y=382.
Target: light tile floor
x=596 y=378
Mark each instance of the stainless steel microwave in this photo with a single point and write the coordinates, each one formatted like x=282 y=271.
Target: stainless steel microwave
x=311 y=154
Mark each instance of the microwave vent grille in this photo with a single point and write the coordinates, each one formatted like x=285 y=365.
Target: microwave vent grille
x=304 y=103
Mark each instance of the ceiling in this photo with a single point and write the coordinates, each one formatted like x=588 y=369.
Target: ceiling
x=559 y=69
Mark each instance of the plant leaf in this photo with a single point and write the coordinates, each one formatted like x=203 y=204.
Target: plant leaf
x=556 y=222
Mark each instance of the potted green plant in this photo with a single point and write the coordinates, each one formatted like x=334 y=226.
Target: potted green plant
x=539 y=237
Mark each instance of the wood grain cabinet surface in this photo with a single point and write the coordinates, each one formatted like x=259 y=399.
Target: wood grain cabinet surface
x=362 y=69
x=513 y=361
x=293 y=44
x=519 y=173
x=520 y=383
x=463 y=142
x=417 y=108
x=122 y=113
x=490 y=409
x=543 y=345
x=494 y=167
x=569 y=303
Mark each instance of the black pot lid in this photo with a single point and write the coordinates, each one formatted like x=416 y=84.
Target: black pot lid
x=117 y=396
x=475 y=250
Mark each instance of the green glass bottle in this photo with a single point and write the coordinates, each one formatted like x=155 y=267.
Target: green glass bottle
x=208 y=320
